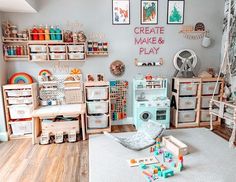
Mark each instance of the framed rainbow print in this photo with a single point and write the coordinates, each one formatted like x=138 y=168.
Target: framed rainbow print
x=175 y=12
x=120 y=12
x=149 y=12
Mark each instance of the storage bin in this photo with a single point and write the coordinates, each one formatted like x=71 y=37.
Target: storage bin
x=38 y=56
x=188 y=89
x=21 y=100
x=64 y=126
x=96 y=93
x=38 y=48
x=186 y=116
x=20 y=111
x=73 y=95
x=205 y=116
x=21 y=128
x=57 y=56
x=99 y=121
x=205 y=101
x=208 y=88
x=100 y=107
x=76 y=56
x=187 y=102
x=76 y=48
x=18 y=93
x=57 y=48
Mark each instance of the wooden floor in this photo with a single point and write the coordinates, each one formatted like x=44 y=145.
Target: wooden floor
x=21 y=161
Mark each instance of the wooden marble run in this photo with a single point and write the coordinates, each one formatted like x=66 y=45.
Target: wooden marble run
x=148 y=64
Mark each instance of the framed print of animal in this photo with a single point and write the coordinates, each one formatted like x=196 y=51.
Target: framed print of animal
x=175 y=12
x=120 y=12
x=149 y=12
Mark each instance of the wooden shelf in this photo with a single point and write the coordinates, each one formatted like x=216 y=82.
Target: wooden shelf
x=183 y=31
x=16 y=58
x=14 y=137
x=97 y=53
x=98 y=130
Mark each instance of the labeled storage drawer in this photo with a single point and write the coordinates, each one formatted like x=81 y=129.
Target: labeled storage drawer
x=100 y=107
x=57 y=48
x=96 y=93
x=76 y=48
x=205 y=116
x=18 y=93
x=99 y=121
x=64 y=126
x=208 y=88
x=188 y=88
x=21 y=128
x=76 y=56
x=20 y=100
x=187 y=116
x=187 y=102
x=205 y=103
x=20 y=111
x=38 y=48
x=38 y=56
x=57 y=56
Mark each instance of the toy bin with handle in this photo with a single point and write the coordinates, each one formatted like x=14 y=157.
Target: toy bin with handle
x=21 y=128
x=18 y=93
x=97 y=121
x=20 y=111
x=188 y=89
x=20 y=100
x=187 y=116
x=187 y=102
x=100 y=107
x=97 y=93
x=209 y=87
x=205 y=116
x=76 y=48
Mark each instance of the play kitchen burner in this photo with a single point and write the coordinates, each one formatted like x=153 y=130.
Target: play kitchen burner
x=150 y=101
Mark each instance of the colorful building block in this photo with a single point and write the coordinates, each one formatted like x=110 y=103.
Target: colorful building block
x=167 y=173
x=143 y=166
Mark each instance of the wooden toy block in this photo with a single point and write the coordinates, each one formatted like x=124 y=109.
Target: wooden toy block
x=155 y=171
x=143 y=166
x=146 y=161
x=156 y=153
x=59 y=137
x=175 y=146
x=168 y=173
x=147 y=173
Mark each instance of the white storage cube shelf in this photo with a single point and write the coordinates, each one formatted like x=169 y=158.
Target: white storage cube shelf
x=205 y=116
x=188 y=89
x=18 y=93
x=99 y=121
x=21 y=100
x=38 y=48
x=76 y=56
x=20 y=111
x=57 y=56
x=208 y=88
x=97 y=93
x=57 y=48
x=76 y=48
x=21 y=128
x=187 y=102
x=100 y=107
x=186 y=116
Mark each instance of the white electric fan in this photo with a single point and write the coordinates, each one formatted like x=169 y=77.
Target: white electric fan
x=185 y=61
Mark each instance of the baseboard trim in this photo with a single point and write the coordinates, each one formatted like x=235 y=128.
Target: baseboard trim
x=128 y=120
x=3 y=136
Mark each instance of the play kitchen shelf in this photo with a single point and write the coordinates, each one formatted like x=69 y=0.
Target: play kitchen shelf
x=98 y=114
x=19 y=102
x=56 y=52
x=190 y=101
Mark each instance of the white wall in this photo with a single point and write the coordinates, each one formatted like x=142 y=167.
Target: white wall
x=3 y=134
x=96 y=17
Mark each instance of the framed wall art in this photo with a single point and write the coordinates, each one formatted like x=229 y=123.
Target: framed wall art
x=149 y=12
x=120 y=12
x=175 y=12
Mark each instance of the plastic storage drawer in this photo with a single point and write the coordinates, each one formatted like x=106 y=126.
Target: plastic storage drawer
x=18 y=93
x=57 y=56
x=21 y=100
x=187 y=102
x=208 y=88
x=57 y=48
x=188 y=89
x=38 y=48
x=38 y=56
x=76 y=48
x=99 y=121
x=76 y=56
x=205 y=116
x=97 y=107
x=21 y=128
x=20 y=111
x=187 y=116
x=96 y=93
x=206 y=101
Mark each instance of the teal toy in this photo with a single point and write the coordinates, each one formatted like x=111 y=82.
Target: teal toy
x=58 y=34
x=156 y=153
x=52 y=33
x=159 y=173
x=167 y=173
x=143 y=166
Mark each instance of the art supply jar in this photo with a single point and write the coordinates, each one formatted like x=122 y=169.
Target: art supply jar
x=52 y=33
x=41 y=33
x=58 y=33
x=100 y=46
x=105 y=46
x=47 y=33
x=90 y=46
x=35 y=34
x=95 y=46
